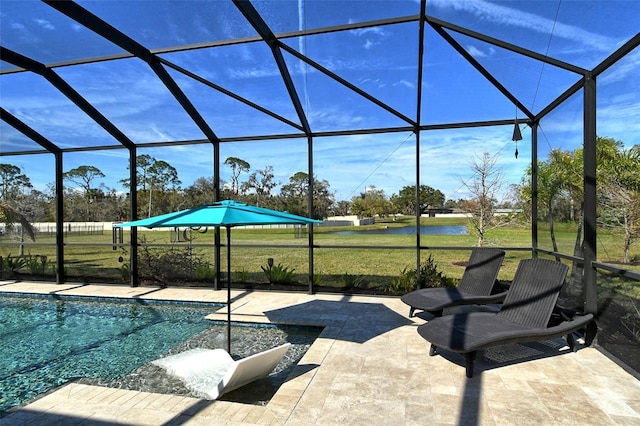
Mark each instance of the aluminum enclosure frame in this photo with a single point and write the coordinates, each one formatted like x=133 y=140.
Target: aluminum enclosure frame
x=586 y=81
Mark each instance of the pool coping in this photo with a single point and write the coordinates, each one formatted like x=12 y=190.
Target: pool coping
x=129 y=300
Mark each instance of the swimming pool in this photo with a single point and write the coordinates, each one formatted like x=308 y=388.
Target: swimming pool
x=47 y=342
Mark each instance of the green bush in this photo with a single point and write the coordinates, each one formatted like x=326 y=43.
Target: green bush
x=429 y=277
x=278 y=274
x=203 y=270
x=13 y=264
x=241 y=276
x=125 y=272
x=317 y=278
x=34 y=264
x=403 y=283
x=172 y=265
x=351 y=281
x=125 y=268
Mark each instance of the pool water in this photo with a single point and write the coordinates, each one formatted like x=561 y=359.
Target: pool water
x=47 y=342
x=246 y=340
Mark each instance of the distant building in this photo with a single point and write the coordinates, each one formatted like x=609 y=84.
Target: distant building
x=433 y=211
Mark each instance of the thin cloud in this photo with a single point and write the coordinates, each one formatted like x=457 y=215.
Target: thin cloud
x=17 y=26
x=373 y=35
x=377 y=31
x=255 y=72
x=627 y=68
x=502 y=15
x=617 y=118
x=43 y=23
x=370 y=44
x=149 y=133
x=405 y=83
x=479 y=53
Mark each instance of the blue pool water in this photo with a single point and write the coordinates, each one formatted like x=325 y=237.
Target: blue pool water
x=46 y=342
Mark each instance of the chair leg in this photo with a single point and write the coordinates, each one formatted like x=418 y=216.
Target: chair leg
x=432 y=350
x=571 y=341
x=590 y=335
x=469 y=361
x=412 y=312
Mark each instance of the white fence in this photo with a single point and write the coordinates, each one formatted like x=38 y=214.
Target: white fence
x=352 y=220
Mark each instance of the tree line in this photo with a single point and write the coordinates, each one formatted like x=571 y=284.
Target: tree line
x=160 y=190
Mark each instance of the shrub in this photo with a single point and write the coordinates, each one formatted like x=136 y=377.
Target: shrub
x=203 y=270
x=351 y=281
x=125 y=272
x=403 y=283
x=241 y=276
x=175 y=264
x=125 y=268
x=278 y=274
x=34 y=264
x=429 y=277
x=317 y=278
x=13 y=264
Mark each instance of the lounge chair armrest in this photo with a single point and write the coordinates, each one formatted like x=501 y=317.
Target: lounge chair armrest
x=579 y=321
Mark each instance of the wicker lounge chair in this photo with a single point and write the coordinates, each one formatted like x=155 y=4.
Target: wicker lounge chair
x=523 y=317
x=475 y=287
x=209 y=373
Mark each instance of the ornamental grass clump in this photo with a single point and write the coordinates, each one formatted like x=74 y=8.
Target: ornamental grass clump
x=203 y=270
x=352 y=281
x=430 y=276
x=13 y=264
x=278 y=274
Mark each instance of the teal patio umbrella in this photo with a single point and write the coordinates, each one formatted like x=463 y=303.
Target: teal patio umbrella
x=225 y=214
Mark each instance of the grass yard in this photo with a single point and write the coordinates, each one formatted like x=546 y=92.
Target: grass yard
x=336 y=257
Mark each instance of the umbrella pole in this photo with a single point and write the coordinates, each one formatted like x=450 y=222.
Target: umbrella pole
x=229 y=290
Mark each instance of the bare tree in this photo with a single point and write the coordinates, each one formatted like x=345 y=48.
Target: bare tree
x=485 y=187
x=262 y=183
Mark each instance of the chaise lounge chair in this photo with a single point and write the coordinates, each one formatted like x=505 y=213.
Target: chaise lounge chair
x=209 y=373
x=474 y=288
x=523 y=317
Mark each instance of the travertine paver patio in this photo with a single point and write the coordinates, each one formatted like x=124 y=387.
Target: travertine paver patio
x=369 y=366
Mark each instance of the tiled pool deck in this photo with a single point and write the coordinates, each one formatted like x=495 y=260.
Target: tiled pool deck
x=368 y=367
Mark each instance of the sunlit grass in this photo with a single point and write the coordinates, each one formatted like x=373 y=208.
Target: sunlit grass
x=92 y=256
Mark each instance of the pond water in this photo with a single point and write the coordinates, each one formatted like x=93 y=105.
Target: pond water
x=411 y=230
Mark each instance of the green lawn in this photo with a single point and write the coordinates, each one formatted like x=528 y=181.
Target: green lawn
x=92 y=256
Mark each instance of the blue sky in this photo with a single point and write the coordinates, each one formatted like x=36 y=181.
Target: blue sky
x=381 y=61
